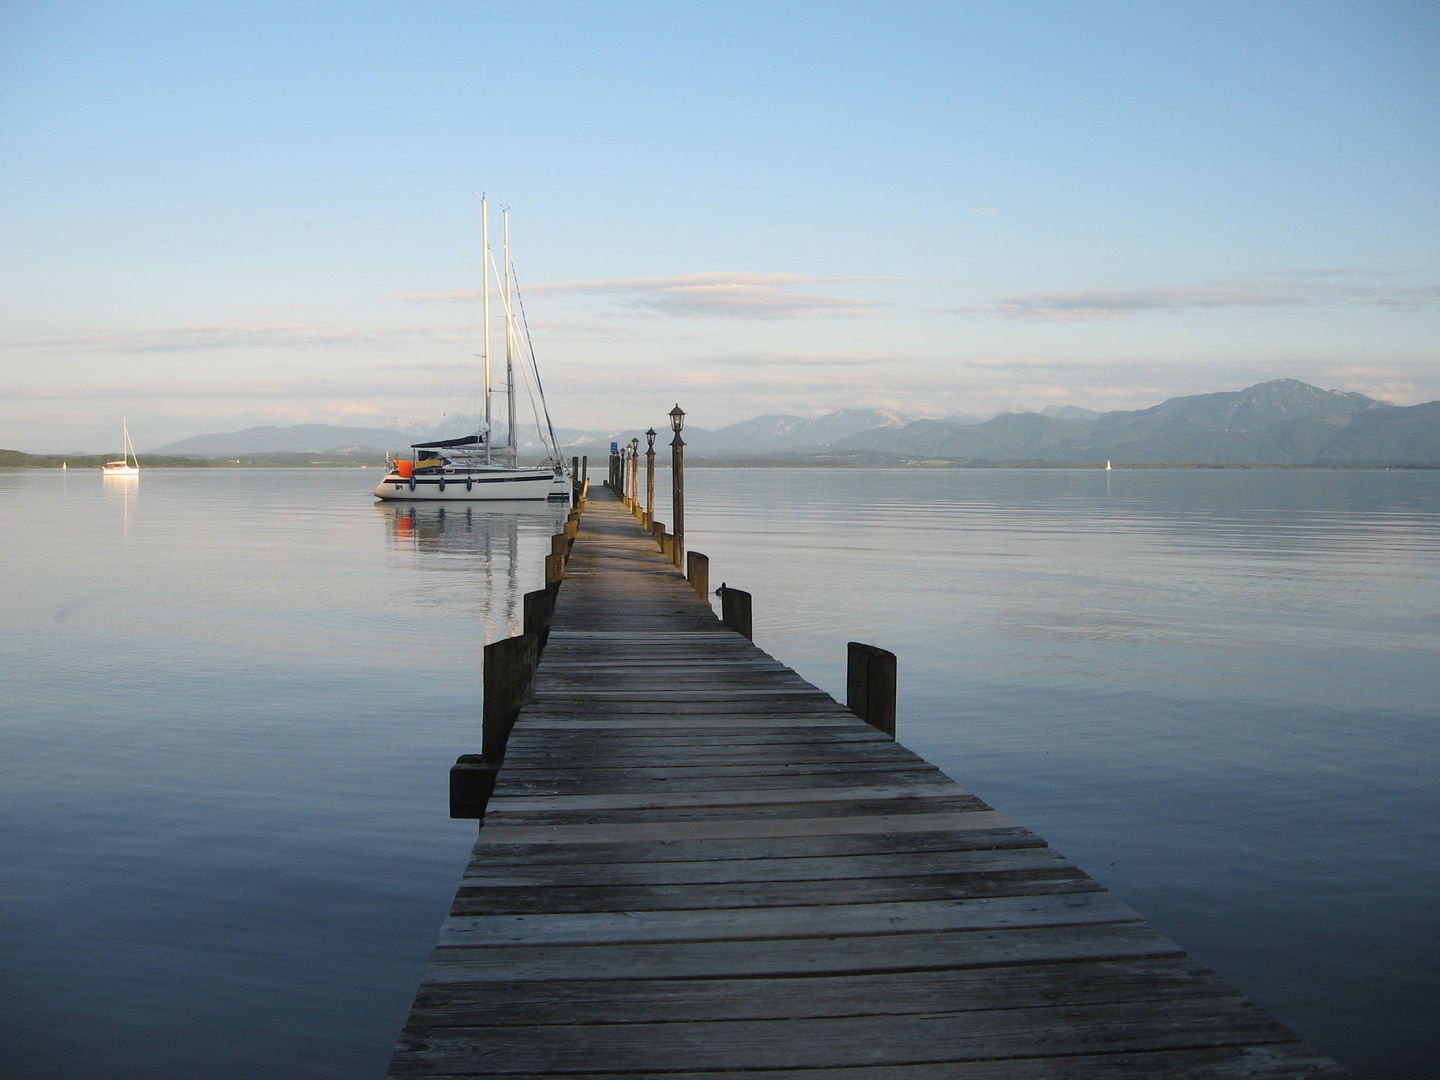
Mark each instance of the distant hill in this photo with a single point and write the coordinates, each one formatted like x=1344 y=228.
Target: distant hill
x=781 y=432
x=1285 y=422
x=1070 y=412
x=299 y=439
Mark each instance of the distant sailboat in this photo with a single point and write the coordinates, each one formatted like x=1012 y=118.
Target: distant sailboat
x=1107 y=464
x=123 y=466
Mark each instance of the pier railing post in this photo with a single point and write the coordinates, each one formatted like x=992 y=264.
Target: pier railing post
x=697 y=572
x=870 y=686
x=735 y=610
x=650 y=478
x=677 y=484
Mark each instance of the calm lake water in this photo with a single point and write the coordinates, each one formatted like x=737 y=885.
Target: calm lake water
x=233 y=698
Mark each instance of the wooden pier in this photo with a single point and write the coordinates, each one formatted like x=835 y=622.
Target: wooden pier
x=695 y=864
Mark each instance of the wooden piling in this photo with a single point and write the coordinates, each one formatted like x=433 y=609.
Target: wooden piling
x=870 y=686
x=735 y=610
x=539 y=607
x=472 y=782
x=697 y=572
x=554 y=570
x=509 y=677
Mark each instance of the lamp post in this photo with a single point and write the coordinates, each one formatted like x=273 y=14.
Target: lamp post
x=634 y=471
x=677 y=482
x=650 y=479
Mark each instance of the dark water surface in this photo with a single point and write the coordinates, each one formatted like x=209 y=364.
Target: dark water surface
x=232 y=699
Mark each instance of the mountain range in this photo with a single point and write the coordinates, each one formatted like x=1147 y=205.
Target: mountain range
x=1285 y=422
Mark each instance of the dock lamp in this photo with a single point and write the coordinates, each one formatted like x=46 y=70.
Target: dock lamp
x=677 y=482
x=634 y=470
x=650 y=478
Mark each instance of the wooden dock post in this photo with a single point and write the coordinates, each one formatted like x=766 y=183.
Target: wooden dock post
x=735 y=610
x=667 y=546
x=554 y=571
x=509 y=676
x=697 y=572
x=870 y=686
x=539 y=608
x=472 y=782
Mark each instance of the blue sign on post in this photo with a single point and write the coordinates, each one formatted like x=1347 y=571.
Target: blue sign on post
x=614 y=448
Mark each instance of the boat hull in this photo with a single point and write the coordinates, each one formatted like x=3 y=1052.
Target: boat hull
x=476 y=485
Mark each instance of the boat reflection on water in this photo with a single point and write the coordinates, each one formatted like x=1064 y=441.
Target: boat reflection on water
x=500 y=545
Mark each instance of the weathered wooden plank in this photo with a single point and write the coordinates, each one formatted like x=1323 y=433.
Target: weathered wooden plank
x=800 y=956
x=828 y=1043
x=484 y=1004
x=912 y=794
x=471 y=899
x=661 y=832
x=549 y=923
x=616 y=870
x=1269 y=1061
x=492 y=853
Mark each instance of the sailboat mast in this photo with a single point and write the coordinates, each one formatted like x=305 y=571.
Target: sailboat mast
x=509 y=350
x=485 y=316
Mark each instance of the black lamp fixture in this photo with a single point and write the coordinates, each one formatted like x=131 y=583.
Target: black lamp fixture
x=650 y=438
x=677 y=418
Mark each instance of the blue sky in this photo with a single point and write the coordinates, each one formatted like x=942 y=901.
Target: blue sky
x=216 y=216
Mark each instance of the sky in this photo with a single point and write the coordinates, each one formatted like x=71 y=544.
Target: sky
x=215 y=216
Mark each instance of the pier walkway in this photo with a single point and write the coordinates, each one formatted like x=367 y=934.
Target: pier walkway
x=695 y=864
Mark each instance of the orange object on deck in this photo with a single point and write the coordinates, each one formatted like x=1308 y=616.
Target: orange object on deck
x=406 y=469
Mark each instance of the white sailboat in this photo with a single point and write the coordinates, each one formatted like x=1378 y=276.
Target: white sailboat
x=127 y=464
x=474 y=467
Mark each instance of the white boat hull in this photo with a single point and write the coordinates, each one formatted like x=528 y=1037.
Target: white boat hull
x=475 y=485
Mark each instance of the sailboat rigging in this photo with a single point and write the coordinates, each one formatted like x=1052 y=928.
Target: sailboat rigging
x=474 y=467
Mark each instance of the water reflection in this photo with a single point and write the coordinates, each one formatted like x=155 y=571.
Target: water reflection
x=481 y=542
x=124 y=490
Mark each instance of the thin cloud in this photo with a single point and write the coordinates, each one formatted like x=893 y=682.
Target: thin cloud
x=196 y=337
x=453 y=296
x=1102 y=305
x=985 y=211
x=809 y=360
x=729 y=295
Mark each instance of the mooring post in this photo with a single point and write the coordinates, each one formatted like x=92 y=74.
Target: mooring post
x=472 y=782
x=554 y=571
x=509 y=667
x=575 y=481
x=735 y=610
x=697 y=572
x=657 y=530
x=677 y=483
x=539 y=609
x=870 y=686
x=667 y=547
